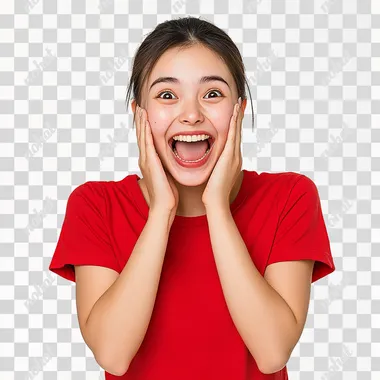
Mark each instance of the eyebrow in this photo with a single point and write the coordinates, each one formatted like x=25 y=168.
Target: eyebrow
x=204 y=79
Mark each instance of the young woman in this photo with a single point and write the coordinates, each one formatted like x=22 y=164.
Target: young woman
x=198 y=270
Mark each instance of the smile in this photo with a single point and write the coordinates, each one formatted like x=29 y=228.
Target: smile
x=192 y=163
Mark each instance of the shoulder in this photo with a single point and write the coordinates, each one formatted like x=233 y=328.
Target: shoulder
x=90 y=194
x=102 y=195
x=285 y=189
x=283 y=184
x=298 y=188
x=89 y=190
x=101 y=188
x=298 y=183
x=290 y=180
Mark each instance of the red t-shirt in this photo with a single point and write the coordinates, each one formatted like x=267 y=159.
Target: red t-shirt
x=191 y=334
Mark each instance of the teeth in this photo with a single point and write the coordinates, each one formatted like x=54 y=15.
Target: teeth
x=191 y=138
x=207 y=151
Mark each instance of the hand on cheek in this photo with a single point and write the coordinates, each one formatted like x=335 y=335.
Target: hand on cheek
x=228 y=166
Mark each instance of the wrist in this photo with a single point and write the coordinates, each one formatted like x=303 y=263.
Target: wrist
x=217 y=207
x=162 y=214
x=161 y=217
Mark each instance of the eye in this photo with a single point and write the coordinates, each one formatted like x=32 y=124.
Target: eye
x=216 y=91
x=169 y=92
x=164 y=92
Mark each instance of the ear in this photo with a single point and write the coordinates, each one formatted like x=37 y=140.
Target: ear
x=133 y=105
x=243 y=105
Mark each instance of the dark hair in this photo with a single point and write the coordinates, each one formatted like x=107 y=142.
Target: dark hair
x=182 y=33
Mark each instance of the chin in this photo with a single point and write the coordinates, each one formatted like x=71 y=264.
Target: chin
x=191 y=178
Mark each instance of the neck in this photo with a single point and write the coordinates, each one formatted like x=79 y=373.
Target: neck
x=190 y=197
x=190 y=200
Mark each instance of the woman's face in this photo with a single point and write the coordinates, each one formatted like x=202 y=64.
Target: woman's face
x=189 y=105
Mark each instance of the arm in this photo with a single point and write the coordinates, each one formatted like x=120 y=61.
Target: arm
x=114 y=310
x=270 y=323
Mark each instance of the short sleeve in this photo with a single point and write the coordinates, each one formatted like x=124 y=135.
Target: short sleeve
x=84 y=238
x=301 y=231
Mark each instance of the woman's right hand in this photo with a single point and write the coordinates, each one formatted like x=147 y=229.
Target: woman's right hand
x=163 y=193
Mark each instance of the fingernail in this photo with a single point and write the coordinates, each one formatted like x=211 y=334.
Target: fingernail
x=239 y=101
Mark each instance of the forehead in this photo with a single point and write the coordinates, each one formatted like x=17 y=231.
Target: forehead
x=189 y=64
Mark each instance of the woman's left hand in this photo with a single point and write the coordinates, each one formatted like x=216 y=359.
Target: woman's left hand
x=228 y=167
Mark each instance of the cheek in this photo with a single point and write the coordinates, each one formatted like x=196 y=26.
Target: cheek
x=160 y=116
x=159 y=126
x=159 y=120
x=159 y=131
x=221 y=122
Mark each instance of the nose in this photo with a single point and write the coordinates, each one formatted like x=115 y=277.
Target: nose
x=191 y=114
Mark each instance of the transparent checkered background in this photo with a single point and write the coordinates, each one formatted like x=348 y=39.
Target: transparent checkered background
x=313 y=70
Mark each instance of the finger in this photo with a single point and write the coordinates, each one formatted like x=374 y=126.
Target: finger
x=232 y=121
x=236 y=120
x=135 y=116
x=137 y=112
x=138 y=128
x=139 y=122
x=239 y=130
x=143 y=133
x=149 y=140
x=231 y=131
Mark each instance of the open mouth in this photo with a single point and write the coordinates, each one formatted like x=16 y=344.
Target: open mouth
x=172 y=143
x=191 y=153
